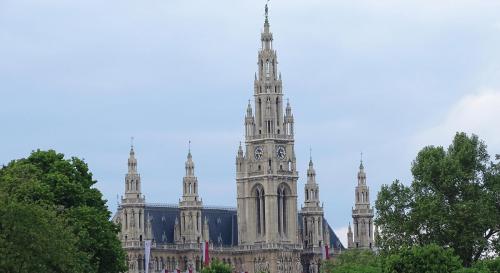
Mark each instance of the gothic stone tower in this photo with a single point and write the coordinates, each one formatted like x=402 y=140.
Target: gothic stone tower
x=133 y=220
x=362 y=215
x=188 y=229
x=312 y=213
x=314 y=233
x=266 y=175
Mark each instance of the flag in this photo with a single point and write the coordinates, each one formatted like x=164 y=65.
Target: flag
x=325 y=252
x=147 y=253
x=204 y=253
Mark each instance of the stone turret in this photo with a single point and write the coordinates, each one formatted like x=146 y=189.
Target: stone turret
x=350 y=238
x=362 y=213
x=131 y=210
x=190 y=206
x=312 y=213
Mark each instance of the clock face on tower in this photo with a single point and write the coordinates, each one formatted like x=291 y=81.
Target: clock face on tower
x=280 y=152
x=259 y=151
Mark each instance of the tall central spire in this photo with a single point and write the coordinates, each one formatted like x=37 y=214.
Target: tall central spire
x=268 y=92
x=266 y=172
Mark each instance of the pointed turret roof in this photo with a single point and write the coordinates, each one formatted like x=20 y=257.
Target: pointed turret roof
x=189 y=162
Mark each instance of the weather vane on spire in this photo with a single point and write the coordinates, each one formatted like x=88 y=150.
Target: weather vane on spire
x=132 y=142
x=189 y=146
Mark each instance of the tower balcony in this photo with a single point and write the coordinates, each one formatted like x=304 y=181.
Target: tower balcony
x=269 y=137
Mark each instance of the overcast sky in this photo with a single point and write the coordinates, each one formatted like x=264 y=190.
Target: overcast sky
x=385 y=77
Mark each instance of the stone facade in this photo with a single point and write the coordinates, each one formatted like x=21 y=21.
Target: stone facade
x=362 y=216
x=265 y=232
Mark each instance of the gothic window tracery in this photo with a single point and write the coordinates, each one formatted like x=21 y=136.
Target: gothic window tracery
x=282 y=195
x=260 y=209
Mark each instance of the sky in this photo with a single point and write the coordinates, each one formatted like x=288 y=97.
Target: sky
x=382 y=77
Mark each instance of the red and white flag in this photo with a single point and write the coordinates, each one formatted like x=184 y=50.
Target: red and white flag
x=204 y=253
x=325 y=252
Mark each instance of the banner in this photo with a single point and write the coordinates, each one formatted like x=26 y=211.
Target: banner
x=325 y=252
x=147 y=253
x=204 y=253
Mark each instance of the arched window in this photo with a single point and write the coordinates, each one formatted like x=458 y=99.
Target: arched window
x=198 y=223
x=268 y=68
x=260 y=209
x=282 y=195
x=140 y=217
x=277 y=112
x=126 y=221
x=260 y=114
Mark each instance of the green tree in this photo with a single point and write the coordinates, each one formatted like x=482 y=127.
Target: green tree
x=419 y=259
x=34 y=239
x=353 y=261
x=217 y=267
x=65 y=187
x=453 y=201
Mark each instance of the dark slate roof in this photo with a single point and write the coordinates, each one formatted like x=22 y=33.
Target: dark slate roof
x=222 y=224
x=163 y=221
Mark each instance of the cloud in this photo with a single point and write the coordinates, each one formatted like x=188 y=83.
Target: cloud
x=342 y=234
x=477 y=113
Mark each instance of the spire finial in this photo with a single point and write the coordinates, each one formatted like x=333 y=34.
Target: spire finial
x=189 y=146
x=310 y=153
x=132 y=146
x=267 y=9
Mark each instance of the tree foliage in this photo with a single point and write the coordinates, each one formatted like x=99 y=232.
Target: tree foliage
x=34 y=239
x=418 y=259
x=453 y=201
x=353 y=261
x=60 y=192
x=217 y=267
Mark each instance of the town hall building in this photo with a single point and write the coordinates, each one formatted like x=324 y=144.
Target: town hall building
x=266 y=232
